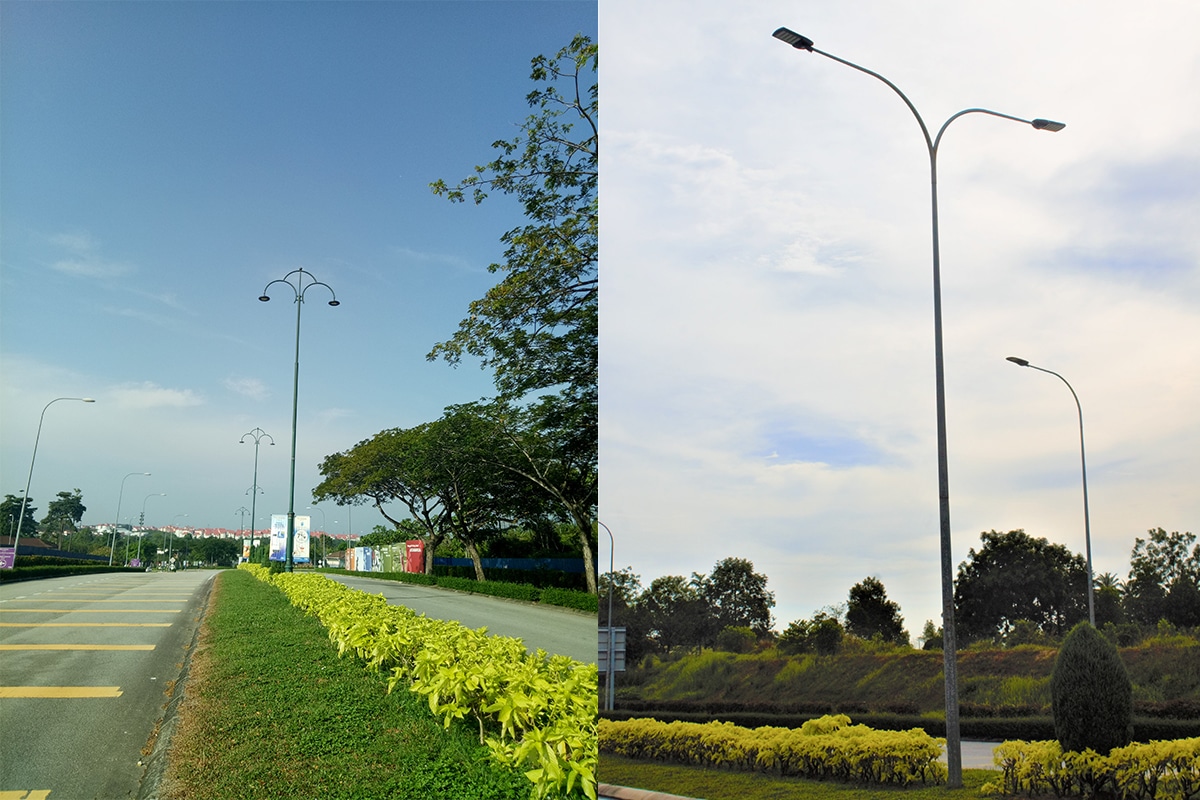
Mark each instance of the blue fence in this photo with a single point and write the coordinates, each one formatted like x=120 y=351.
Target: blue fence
x=557 y=564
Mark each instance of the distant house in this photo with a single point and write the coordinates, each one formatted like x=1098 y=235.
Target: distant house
x=26 y=543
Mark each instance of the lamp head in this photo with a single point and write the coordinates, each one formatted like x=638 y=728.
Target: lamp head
x=87 y=399
x=794 y=39
x=1020 y=362
x=264 y=298
x=334 y=303
x=1048 y=125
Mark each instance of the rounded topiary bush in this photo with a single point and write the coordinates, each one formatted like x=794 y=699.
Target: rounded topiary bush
x=1090 y=692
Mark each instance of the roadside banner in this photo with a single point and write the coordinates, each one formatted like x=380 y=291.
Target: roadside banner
x=300 y=540
x=246 y=549
x=279 y=537
x=8 y=557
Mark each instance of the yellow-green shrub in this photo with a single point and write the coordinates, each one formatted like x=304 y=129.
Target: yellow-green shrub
x=545 y=706
x=1167 y=770
x=827 y=748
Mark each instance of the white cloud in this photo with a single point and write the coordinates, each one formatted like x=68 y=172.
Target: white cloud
x=147 y=395
x=253 y=388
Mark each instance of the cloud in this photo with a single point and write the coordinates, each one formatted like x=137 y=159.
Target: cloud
x=433 y=259
x=148 y=395
x=83 y=258
x=253 y=388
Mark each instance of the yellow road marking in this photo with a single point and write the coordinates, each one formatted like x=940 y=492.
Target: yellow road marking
x=89 y=610
x=85 y=624
x=76 y=647
x=57 y=692
x=21 y=794
x=84 y=600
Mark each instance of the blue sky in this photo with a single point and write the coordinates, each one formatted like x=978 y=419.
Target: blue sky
x=767 y=386
x=162 y=162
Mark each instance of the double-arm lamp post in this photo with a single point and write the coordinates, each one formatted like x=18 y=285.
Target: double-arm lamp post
x=949 y=644
x=299 y=288
x=1087 y=525
x=258 y=434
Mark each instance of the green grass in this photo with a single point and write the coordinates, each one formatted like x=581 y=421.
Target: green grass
x=270 y=711
x=712 y=784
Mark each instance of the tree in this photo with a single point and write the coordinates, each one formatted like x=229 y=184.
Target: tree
x=551 y=445
x=10 y=510
x=64 y=513
x=869 y=612
x=822 y=634
x=1090 y=693
x=1015 y=576
x=1156 y=566
x=676 y=614
x=392 y=466
x=737 y=596
x=931 y=636
x=538 y=327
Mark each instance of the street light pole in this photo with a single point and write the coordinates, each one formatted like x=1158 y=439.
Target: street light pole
x=1087 y=525
x=299 y=288
x=142 y=521
x=113 y=547
x=258 y=434
x=609 y=678
x=16 y=542
x=949 y=643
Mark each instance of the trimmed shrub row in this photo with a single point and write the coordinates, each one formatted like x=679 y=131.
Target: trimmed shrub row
x=58 y=571
x=994 y=729
x=1154 y=771
x=822 y=749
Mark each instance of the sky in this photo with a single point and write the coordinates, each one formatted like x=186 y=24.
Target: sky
x=161 y=163
x=767 y=354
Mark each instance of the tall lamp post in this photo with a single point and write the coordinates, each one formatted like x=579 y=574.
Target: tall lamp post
x=299 y=288
x=113 y=547
x=608 y=678
x=1087 y=525
x=949 y=644
x=16 y=542
x=258 y=434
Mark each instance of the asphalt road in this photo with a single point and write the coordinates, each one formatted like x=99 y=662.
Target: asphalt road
x=558 y=631
x=87 y=666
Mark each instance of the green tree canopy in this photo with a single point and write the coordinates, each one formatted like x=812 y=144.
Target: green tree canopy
x=10 y=511
x=1013 y=577
x=537 y=328
x=869 y=612
x=64 y=513
x=1161 y=566
x=737 y=596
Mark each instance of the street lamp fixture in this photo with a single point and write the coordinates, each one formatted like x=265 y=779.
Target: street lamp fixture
x=949 y=643
x=16 y=542
x=299 y=289
x=1087 y=525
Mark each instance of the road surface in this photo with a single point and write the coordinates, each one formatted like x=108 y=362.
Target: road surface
x=87 y=666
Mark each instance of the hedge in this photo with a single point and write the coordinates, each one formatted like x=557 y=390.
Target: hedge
x=565 y=598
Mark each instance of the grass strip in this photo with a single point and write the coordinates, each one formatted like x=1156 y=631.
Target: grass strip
x=271 y=712
x=715 y=784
